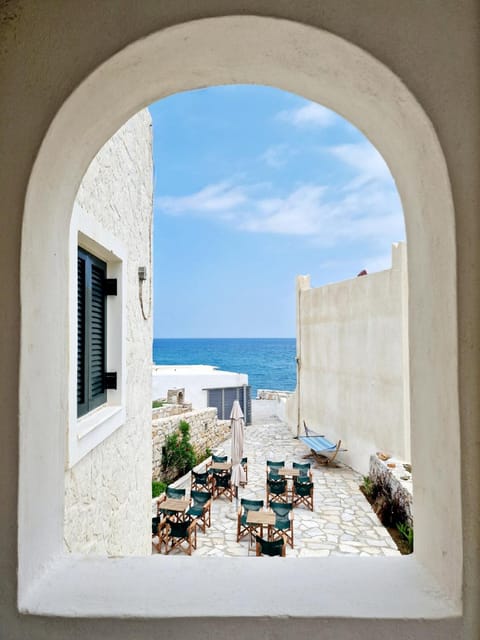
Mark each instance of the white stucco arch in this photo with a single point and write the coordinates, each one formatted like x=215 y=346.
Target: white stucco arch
x=331 y=71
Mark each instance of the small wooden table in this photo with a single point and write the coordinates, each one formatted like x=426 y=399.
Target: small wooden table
x=221 y=466
x=175 y=505
x=262 y=519
x=289 y=472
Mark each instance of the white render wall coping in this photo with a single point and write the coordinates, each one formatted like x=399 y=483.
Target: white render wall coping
x=91 y=587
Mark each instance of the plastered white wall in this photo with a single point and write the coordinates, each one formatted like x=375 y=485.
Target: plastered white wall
x=350 y=345
x=107 y=493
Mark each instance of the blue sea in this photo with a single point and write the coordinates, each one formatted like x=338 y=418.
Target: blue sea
x=269 y=362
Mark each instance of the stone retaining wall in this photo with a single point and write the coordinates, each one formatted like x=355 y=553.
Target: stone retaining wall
x=170 y=410
x=206 y=432
x=392 y=484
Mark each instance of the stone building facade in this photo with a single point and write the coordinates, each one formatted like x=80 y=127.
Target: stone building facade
x=109 y=486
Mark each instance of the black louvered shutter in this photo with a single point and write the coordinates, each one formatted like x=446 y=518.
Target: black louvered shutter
x=97 y=390
x=91 y=318
x=82 y=405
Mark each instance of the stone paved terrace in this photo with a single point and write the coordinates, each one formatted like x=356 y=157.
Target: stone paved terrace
x=342 y=522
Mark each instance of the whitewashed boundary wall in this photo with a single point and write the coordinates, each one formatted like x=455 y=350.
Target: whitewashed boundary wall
x=205 y=432
x=107 y=493
x=353 y=377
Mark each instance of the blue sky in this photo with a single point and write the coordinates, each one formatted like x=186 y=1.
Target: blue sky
x=254 y=186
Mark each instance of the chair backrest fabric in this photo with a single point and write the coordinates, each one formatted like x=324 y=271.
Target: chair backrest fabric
x=274 y=548
x=219 y=458
x=179 y=529
x=275 y=464
x=175 y=493
x=277 y=486
x=281 y=509
x=251 y=505
x=303 y=466
x=222 y=479
x=200 y=497
x=303 y=488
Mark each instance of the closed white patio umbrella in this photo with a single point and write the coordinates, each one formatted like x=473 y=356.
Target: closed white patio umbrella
x=237 y=425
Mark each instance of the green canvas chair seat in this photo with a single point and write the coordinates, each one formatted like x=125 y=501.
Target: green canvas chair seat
x=180 y=535
x=200 y=481
x=303 y=494
x=277 y=490
x=222 y=485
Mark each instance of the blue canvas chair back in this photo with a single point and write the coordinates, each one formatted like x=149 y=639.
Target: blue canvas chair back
x=303 y=488
x=200 y=497
x=251 y=505
x=277 y=487
x=273 y=464
x=274 y=548
x=175 y=493
x=200 y=478
x=281 y=509
x=303 y=467
x=222 y=479
x=219 y=458
x=179 y=529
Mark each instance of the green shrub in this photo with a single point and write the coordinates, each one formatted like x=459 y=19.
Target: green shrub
x=158 y=487
x=156 y=404
x=178 y=455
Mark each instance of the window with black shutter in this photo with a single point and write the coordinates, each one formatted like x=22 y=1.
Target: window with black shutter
x=91 y=338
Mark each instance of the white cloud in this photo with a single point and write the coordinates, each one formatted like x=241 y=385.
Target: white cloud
x=276 y=156
x=324 y=215
x=365 y=160
x=215 y=198
x=309 y=115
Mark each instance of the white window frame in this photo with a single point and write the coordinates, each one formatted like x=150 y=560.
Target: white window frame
x=88 y=431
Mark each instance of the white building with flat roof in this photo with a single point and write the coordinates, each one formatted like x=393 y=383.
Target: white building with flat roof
x=203 y=386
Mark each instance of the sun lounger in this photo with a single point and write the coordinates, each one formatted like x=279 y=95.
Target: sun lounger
x=323 y=450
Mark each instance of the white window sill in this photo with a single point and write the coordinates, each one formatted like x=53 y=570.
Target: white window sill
x=389 y=591
x=93 y=428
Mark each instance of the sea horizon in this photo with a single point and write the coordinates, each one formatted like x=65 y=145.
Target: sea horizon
x=268 y=362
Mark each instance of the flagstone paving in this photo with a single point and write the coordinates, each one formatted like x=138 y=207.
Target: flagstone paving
x=342 y=522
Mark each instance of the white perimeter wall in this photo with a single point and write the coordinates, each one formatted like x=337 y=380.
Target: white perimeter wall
x=107 y=493
x=351 y=339
x=194 y=379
